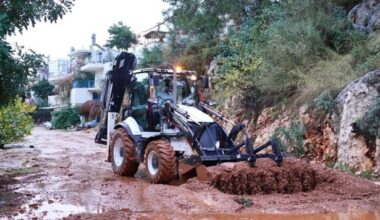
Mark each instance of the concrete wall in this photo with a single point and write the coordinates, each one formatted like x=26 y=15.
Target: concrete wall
x=100 y=75
x=79 y=96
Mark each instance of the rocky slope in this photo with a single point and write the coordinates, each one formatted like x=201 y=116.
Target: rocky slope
x=331 y=137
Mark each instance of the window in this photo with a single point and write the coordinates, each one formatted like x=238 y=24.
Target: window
x=140 y=91
x=95 y=96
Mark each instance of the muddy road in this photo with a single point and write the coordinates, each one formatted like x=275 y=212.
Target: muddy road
x=63 y=174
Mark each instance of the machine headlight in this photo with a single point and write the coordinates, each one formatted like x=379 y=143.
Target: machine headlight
x=217 y=144
x=193 y=77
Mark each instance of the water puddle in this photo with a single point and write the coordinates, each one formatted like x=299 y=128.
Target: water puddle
x=48 y=210
x=51 y=209
x=362 y=215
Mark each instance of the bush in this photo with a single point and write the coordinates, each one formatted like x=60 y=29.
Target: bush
x=325 y=102
x=43 y=89
x=291 y=48
x=65 y=118
x=292 y=138
x=15 y=121
x=42 y=115
x=370 y=123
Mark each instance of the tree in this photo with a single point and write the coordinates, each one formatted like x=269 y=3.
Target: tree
x=152 y=57
x=43 y=89
x=15 y=121
x=16 y=65
x=121 y=36
x=196 y=27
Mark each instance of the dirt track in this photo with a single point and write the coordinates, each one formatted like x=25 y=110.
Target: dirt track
x=65 y=175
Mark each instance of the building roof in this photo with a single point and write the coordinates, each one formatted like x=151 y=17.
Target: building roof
x=155 y=35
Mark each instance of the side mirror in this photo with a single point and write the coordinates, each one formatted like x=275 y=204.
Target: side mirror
x=156 y=80
x=206 y=82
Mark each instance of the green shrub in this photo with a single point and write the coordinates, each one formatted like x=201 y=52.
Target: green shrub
x=42 y=115
x=344 y=167
x=65 y=118
x=367 y=174
x=370 y=123
x=152 y=57
x=325 y=102
x=292 y=138
x=43 y=89
x=244 y=201
x=291 y=48
x=15 y=121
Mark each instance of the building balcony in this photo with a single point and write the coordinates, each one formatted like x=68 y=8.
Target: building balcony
x=92 y=67
x=55 y=78
x=83 y=83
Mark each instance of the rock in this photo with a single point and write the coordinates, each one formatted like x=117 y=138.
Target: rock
x=374 y=21
x=212 y=70
x=267 y=123
x=321 y=140
x=352 y=103
x=377 y=157
x=366 y=16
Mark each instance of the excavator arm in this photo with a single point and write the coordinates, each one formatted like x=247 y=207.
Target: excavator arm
x=117 y=81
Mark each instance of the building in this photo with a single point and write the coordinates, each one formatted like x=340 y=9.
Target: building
x=80 y=78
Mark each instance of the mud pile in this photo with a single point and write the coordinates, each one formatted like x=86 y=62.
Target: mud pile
x=266 y=177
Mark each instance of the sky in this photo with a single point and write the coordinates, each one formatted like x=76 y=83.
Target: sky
x=88 y=17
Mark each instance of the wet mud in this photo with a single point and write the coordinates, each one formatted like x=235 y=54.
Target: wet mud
x=65 y=176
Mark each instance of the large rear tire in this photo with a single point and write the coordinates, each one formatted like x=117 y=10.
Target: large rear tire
x=123 y=154
x=160 y=161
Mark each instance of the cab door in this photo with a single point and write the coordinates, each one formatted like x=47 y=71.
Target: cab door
x=139 y=102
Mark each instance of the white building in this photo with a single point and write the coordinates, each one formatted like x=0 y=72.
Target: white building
x=92 y=63
x=58 y=68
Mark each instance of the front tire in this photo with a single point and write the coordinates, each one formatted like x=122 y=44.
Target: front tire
x=160 y=161
x=123 y=154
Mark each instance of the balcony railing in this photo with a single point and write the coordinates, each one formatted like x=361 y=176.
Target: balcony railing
x=83 y=83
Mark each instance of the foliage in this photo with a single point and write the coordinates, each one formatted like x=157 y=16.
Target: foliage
x=43 y=89
x=16 y=65
x=344 y=167
x=15 y=70
x=152 y=57
x=244 y=201
x=65 y=118
x=205 y=19
x=274 y=49
x=84 y=76
x=367 y=174
x=370 y=123
x=121 y=36
x=292 y=138
x=283 y=49
x=41 y=115
x=366 y=56
x=15 y=121
x=196 y=26
x=325 y=102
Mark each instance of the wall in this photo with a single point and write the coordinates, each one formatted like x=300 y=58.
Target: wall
x=79 y=96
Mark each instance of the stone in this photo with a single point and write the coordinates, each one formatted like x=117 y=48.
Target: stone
x=352 y=103
x=377 y=157
x=366 y=16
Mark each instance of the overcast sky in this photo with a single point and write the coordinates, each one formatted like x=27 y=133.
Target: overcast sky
x=88 y=17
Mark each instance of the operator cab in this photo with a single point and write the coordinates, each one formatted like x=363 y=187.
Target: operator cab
x=151 y=89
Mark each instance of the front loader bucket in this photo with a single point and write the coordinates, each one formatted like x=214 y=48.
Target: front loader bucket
x=188 y=170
